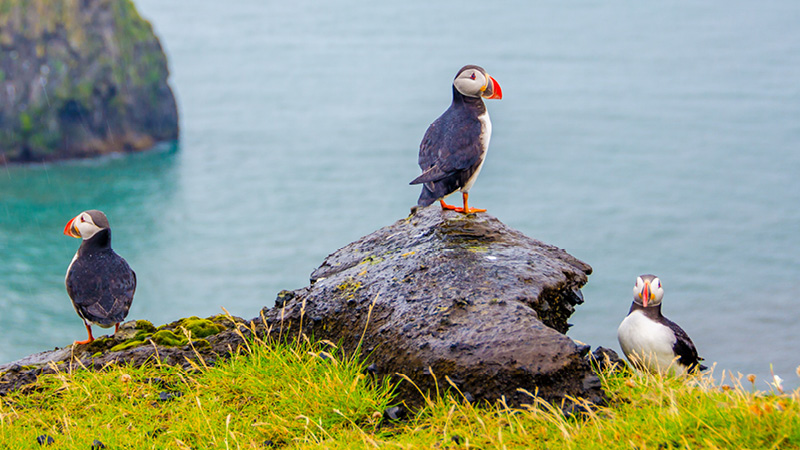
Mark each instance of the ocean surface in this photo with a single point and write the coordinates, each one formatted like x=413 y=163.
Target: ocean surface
x=641 y=137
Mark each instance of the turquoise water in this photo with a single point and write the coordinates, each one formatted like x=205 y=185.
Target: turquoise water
x=639 y=137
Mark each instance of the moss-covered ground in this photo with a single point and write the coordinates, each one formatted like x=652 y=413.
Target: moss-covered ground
x=303 y=395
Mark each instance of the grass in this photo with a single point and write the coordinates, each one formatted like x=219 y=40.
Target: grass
x=299 y=395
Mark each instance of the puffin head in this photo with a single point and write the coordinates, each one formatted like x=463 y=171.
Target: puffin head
x=86 y=224
x=473 y=81
x=648 y=291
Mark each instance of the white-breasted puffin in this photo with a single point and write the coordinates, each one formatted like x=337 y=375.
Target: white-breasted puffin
x=100 y=283
x=651 y=341
x=454 y=148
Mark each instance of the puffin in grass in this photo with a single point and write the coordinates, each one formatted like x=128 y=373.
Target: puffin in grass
x=454 y=147
x=649 y=340
x=100 y=283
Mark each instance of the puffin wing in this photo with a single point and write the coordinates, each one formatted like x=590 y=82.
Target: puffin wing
x=102 y=290
x=684 y=348
x=451 y=144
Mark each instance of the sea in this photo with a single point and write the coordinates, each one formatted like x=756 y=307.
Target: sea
x=641 y=137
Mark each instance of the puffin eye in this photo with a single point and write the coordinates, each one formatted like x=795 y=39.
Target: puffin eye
x=82 y=219
x=472 y=76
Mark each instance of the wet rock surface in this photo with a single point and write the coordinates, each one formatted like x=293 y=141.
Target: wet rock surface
x=440 y=294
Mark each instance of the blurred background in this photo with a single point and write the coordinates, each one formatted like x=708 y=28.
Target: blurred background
x=640 y=137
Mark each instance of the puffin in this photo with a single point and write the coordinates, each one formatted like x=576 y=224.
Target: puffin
x=649 y=340
x=99 y=282
x=454 y=147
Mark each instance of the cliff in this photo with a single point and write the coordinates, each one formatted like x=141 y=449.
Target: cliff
x=80 y=78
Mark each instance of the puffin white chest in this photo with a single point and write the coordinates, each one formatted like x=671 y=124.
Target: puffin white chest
x=70 y=266
x=486 y=134
x=648 y=343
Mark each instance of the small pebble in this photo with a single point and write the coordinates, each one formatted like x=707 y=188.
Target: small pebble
x=394 y=413
x=166 y=396
x=45 y=440
x=97 y=445
x=469 y=398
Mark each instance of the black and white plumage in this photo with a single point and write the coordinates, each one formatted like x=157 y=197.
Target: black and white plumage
x=100 y=283
x=649 y=340
x=454 y=147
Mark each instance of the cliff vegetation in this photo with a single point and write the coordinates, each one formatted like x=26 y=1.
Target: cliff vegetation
x=80 y=78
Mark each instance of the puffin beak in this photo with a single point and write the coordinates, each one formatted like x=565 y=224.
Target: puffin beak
x=492 y=89
x=645 y=294
x=71 y=230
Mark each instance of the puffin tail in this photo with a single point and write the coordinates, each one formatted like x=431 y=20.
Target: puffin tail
x=432 y=174
x=426 y=197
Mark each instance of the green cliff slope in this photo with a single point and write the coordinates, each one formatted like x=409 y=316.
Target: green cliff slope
x=80 y=78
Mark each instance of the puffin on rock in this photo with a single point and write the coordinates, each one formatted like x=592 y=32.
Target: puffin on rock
x=100 y=283
x=651 y=341
x=454 y=147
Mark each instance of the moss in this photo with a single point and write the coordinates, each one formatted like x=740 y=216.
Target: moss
x=145 y=325
x=127 y=344
x=222 y=319
x=168 y=339
x=200 y=328
x=25 y=123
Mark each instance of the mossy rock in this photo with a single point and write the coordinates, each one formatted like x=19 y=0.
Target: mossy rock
x=168 y=338
x=145 y=325
x=200 y=328
x=127 y=344
x=100 y=345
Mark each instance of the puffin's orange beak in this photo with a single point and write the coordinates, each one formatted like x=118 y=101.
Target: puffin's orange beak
x=492 y=89
x=646 y=294
x=71 y=230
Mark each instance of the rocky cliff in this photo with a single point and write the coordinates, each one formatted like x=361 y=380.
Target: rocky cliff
x=80 y=78
x=434 y=301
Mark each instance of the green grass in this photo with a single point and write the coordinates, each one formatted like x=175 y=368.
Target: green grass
x=296 y=395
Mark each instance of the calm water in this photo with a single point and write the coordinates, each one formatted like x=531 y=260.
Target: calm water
x=639 y=137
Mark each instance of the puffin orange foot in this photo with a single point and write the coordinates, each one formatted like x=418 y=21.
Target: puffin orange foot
x=450 y=207
x=89 y=332
x=468 y=210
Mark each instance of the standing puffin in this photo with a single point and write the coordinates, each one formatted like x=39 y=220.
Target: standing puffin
x=651 y=341
x=454 y=147
x=99 y=281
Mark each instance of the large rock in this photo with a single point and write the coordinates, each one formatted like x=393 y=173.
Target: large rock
x=435 y=295
x=80 y=78
x=443 y=294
